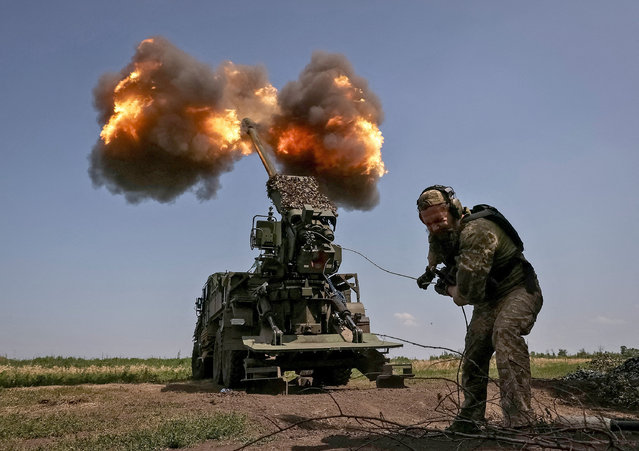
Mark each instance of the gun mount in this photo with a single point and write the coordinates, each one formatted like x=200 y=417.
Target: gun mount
x=294 y=311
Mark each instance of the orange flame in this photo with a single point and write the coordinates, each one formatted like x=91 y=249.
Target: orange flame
x=224 y=132
x=342 y=82
x=268 y=95
x=370 y=134
x=128 y=108
x=222 y=129
x=352 y=92
x=131 y=78
x=125 y=119
x=336 y=121
x=299 y=140
x=296 y=140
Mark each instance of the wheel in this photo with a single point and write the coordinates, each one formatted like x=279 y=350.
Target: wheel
x=232 y=368
x=197 y=366
x=340 y=376
x=217 y=358
x=331 y=376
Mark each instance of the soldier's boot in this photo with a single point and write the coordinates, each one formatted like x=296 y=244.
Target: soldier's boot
x=520 y=419
x=463 y=426
x=466 y=422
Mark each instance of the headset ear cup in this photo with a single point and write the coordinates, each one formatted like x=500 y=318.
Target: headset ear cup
x=457 y=208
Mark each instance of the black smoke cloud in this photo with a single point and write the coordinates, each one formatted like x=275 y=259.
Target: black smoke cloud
x=168 y=149
x=171 y=153
x=312 y=102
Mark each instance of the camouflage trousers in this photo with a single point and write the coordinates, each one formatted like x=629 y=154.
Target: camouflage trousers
x=499 y=327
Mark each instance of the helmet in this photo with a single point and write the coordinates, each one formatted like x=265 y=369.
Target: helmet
x=439 y=194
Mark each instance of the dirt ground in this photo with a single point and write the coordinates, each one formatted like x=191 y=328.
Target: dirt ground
x=360 y=416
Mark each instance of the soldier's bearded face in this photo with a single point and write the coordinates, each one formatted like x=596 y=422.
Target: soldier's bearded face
x=437 y=218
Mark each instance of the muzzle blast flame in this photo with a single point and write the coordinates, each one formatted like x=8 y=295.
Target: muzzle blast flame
x=172 y=124
x=327 y=126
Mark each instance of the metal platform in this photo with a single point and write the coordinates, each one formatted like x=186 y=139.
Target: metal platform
x=322 y=342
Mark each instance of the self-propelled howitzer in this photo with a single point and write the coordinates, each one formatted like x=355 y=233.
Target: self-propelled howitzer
x=294 y=311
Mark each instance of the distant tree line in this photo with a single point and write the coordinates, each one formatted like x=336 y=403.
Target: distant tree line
x=624 y=351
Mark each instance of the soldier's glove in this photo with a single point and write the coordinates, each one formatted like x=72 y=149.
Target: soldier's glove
x=425 y=279
x=441 y=287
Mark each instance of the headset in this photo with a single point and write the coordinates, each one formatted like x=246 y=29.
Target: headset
x=449 y=196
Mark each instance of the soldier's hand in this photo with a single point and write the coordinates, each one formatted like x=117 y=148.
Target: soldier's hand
x=451 y=290
x=441 y=287
x=458 y=300
x=425 y=279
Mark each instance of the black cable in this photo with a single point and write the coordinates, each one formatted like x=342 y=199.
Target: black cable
x=418 y=344
x=394 y=273
x=359 y=253
x=401 y=275
x=377 y=266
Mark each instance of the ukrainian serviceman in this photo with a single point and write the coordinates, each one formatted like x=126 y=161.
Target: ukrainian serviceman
x=485 y=268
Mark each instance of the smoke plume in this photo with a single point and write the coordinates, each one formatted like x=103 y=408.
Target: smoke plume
x=171 y=124
x=327 y=127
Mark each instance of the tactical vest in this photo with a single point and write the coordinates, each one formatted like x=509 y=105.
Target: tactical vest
x=498 y=274
x=492 y=214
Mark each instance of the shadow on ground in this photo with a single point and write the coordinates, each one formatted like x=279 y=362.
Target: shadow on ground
x=192 y=387
x=208 y=386
x=441 y=441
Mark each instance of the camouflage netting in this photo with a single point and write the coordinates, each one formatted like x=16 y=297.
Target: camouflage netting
x=619 y=386
x=296 y=191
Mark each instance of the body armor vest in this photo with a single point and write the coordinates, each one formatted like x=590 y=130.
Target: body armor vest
x=498 y=274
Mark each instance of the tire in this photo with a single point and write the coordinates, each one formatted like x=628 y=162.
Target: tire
x=232 y=368
x=197 y=366
x=341 y=376
x=331 y=376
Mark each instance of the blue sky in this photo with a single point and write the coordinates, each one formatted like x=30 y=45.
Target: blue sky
x=530 y=106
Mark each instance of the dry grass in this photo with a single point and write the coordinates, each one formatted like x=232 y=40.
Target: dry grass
x=543 y=368
x=71 y=371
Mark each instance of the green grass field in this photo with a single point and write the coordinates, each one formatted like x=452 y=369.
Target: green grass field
x=72 y=371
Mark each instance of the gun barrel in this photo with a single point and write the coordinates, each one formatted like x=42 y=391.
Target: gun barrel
x=250 y=128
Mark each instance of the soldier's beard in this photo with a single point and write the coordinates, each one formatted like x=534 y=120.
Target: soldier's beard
x=448 y=241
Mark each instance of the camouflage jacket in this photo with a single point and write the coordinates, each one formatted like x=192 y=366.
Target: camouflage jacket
x=487 y=262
